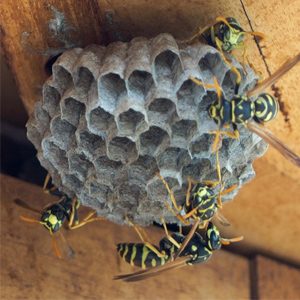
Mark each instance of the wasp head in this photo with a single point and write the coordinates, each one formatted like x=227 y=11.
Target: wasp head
x=52 y=219
x=231 y=36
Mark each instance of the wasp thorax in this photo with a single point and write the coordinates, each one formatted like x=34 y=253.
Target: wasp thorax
x=213 y=237
x=266 y=108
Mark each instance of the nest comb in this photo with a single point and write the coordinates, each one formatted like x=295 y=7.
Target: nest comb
x=111 y=117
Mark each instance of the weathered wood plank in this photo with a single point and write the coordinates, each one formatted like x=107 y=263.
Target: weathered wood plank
x=265 y=212
x=32 y=31
x=29 y=269
x=280 y=22
x=275 y=280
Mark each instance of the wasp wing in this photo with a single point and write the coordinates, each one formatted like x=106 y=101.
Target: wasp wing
x=187 y=238
x=151 y=272
x=25 y=205
x=273 y=78
x=220 y=217
x=270 y=138
x=67 y=249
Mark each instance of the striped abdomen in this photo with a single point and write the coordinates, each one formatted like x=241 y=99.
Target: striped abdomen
x=139 y=255
x=266 y=108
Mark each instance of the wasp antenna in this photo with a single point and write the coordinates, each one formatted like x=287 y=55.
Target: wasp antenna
x=260 y=35
x=30 y=220
x=223 y=20
x=232 y=240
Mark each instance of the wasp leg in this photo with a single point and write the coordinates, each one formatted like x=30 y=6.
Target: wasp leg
x=214 y=85
x=169 y=237
x=74 y=218
x=177 y=215
x=147 y=243
x=140 y=231
x=221 y=19
x=200 y=30
x=234 y=135
x=45 y=185
x=188 y=192
x=56 y=248
x=170 y=192
x=233 y=68
x=86 y=220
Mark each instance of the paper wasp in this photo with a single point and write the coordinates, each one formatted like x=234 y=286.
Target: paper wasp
x=226 y=35
x=158 y=259
x=54 y=215
x=241 y=110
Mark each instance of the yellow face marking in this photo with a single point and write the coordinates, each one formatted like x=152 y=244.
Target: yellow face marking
x=144 y=256
x=194 y=248
x=53 y=219
x=133 y=254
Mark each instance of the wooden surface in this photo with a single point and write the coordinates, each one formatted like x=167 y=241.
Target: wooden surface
x=275 y=280
x=267 y=209
x=33 y=31
x=267 y=213
x=29 y=269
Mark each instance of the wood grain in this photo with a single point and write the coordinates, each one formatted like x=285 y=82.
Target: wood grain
x=33 y=31
x=29 y=269
x=280 y=22
x=266 y=212
x=276 y=280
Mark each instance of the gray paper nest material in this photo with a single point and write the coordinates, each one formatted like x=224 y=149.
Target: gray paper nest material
x=111 y=117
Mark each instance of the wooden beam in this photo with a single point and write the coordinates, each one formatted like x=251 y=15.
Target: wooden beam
x=266 y=213
x=274 y=280
x=33 y=31
x=29 y=269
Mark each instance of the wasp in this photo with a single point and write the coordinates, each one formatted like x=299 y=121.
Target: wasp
x=240 y=109
x=54 y=215
x=158 y=259
x=201 y=202
x=226 y=35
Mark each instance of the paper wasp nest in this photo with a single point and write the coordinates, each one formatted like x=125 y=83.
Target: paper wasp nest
x=111 y=117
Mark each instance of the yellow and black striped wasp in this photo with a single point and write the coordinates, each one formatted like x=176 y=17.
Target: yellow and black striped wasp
x=242 y=110
x=155 y=260
x=201 y=202
x=54 y=216
x=226 y=35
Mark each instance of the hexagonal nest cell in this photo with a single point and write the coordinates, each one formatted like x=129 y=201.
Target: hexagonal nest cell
x=111 y=118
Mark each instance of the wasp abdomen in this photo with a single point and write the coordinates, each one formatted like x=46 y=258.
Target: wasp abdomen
x=266 y=108
x=140 y=255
